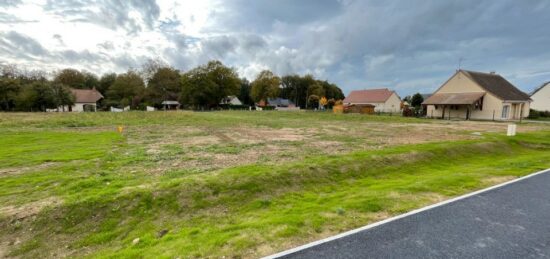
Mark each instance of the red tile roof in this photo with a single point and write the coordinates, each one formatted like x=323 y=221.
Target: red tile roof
x=86 y=95
x=369 y=96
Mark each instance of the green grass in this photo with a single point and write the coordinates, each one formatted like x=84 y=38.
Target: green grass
x=30 y=148
x=110 y=194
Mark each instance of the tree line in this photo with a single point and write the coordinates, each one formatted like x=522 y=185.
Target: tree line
x=202 y=87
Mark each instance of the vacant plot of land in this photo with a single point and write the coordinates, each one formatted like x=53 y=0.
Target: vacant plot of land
x=237 y=184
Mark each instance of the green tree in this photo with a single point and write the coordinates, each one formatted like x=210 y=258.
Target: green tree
x=266 y=85
x=244 y=93
x=62 y=95
x=90 y=80
x=417 y=100
x=315 y=92
x=127 y=90
x=37 y=96
x=205 y=86
x=9 y=88
x=291 y=88
x=164 y=85
x=71 y=78
x=105 y=83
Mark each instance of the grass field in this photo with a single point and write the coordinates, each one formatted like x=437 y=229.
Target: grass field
x=234 y=184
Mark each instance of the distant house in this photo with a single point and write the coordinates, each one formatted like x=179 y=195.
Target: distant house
x=280 y=103
x=232 y=100
x=476 y=95
x=84 y=100
x=384 y=100
x=541 y=98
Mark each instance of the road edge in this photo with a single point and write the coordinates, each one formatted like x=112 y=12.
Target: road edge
x=388 y=220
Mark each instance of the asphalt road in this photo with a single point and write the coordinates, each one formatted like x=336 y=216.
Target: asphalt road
x=512 y=221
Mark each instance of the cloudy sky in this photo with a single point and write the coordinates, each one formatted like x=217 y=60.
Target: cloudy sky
x=406 y=45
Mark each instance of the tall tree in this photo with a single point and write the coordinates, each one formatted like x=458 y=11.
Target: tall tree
x=205 y=86
x=71 y=78
x=417 y=100
x=266 y=85
x=150 y=67
x=291 y=88
x=9 y=88
x=62 y=95
x=127 y=90
x=90 y=80
x=105 y=82
x=164 y=85
x=244 y=93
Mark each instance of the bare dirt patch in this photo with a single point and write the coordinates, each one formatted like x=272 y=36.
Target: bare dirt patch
x=29 y=209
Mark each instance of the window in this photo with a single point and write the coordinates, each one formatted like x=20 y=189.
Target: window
x=505 y=111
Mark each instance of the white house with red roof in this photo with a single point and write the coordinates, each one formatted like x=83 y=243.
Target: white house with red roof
x=384 y=100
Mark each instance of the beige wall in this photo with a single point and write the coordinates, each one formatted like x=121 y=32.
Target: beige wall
x=393 y=104
x=492 y=105
x=77 y=107
x=541 y=99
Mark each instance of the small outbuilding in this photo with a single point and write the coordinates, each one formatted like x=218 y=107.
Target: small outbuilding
x=170 y=105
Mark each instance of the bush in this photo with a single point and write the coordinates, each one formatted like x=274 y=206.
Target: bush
x=408 y=112
x=534 y=114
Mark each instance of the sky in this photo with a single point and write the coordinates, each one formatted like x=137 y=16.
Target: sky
x=409 y=46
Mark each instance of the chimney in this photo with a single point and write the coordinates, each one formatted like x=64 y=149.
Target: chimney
x=493 y=72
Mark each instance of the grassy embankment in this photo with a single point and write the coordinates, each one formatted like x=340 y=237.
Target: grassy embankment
x=89 y=204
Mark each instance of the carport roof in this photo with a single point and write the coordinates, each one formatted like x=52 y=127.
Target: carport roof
x=454 y=98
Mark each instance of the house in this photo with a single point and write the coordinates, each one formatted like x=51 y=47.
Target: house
x=384 y=100
x=280 y=103
x=541 y=98
x=231 y=100
x=477 y=95
x=84 y=100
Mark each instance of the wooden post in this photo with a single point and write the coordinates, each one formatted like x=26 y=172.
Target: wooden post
x=493 y=115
